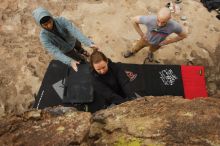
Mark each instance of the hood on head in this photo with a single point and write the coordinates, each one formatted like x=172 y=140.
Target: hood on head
x=39 y=13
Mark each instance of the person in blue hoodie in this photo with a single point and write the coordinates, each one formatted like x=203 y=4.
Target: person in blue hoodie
x=62 y=38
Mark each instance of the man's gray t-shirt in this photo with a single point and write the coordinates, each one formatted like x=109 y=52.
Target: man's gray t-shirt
x=156 y=34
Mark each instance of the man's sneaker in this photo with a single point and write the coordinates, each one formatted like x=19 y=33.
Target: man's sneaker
x=150 y=57
x=127 y=54
x=178 y=1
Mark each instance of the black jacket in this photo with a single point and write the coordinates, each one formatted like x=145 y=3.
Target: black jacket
x=211 y=4
x=107 y=86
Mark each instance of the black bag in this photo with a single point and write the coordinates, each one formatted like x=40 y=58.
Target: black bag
x=79 y=87
x=211 y=4
x=54 y=89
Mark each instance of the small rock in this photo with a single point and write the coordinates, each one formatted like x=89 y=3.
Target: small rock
x=216 y=29
x=212 y=88
x=152 y=10
x=60 y=110
x=31 y=55
x=183 y=18
x=34 y=114
x=211 y=27
x=60 y=129
x=211 y=78
x=177 y=53
x=200 y=45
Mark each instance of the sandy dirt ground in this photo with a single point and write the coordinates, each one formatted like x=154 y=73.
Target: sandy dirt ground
x=24 y=61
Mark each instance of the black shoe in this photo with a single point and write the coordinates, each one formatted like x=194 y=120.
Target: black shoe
x=218 y=16
x=81 y=107
x=128 y=54
x=150 y=57
x=178 y=1
x=168 y=5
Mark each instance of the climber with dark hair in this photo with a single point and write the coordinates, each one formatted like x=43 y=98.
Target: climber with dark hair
x=62 y=38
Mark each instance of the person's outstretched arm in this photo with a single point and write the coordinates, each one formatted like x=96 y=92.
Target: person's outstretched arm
x=181 y=34
x=55 y=51
x=136 y=21
x=179 y=37
x=75 y=32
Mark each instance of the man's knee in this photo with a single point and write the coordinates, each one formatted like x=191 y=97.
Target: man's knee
x=140 y=44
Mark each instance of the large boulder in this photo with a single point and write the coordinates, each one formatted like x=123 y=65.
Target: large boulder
x=159 y=121
x=155 y=121
x=53 y=126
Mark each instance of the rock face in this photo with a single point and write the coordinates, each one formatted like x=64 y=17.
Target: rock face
x=24 y=61
x=155 y=121
x=159 y=121
x=53 y=126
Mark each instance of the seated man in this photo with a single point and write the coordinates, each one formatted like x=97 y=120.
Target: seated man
x=104 y=79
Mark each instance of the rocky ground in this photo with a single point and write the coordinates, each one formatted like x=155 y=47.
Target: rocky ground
x=147 y=121
x=23 y=60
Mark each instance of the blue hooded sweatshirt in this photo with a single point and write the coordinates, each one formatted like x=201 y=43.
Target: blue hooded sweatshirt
x=55 y=44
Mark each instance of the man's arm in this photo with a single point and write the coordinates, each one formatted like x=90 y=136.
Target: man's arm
x=177 y=29
x=57 y=53
x=75 y=32
x=136 y=23
x=179 y=37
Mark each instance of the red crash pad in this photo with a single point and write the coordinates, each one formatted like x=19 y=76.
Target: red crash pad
x=193 y=81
